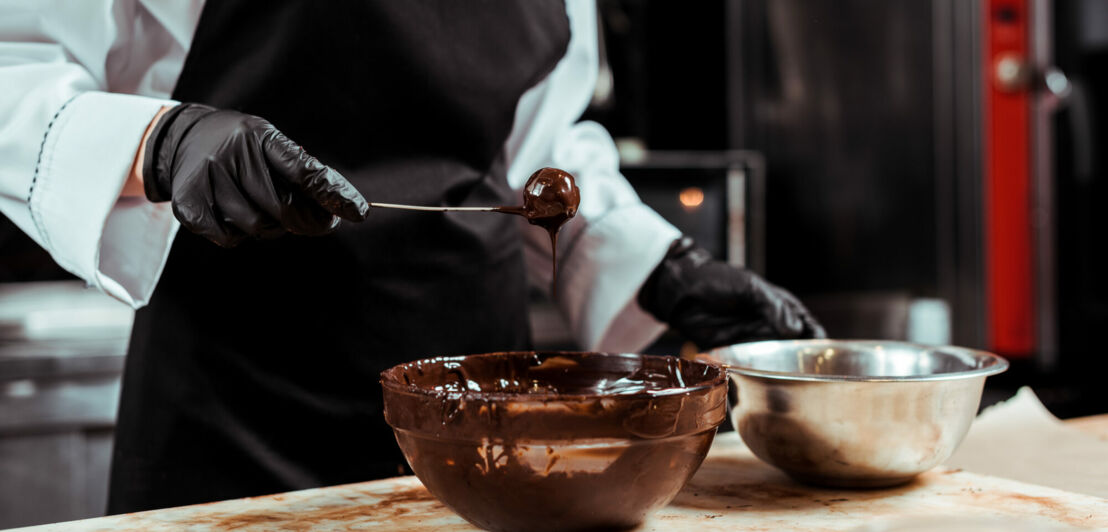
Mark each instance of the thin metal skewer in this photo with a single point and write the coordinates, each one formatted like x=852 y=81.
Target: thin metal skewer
x=422 y=208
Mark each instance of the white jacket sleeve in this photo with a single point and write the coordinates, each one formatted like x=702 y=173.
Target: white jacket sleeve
x=68 y=137
x=606 y=252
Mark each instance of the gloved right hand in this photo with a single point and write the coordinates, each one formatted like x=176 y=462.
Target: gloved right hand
x=232 y=176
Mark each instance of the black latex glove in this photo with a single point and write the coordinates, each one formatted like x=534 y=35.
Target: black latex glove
x=232 y=175
x=713 y=303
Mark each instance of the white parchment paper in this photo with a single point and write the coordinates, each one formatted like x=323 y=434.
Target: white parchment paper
x=1021 y=440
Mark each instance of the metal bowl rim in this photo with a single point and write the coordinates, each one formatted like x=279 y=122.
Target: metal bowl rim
x=998 y=364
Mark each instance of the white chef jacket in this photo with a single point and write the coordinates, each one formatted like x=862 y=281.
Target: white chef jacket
x=80 y=80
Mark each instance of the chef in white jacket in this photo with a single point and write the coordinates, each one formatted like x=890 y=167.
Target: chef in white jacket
x=263 y=324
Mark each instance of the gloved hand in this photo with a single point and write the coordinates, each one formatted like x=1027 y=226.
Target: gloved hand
x=232 y=175
x=713 y=303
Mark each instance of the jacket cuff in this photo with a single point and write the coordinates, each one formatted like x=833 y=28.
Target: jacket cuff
x=603 y=273
x=119 y=245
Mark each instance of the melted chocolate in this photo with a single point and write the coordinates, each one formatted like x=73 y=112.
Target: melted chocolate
x=554 y=441
x=550 y=199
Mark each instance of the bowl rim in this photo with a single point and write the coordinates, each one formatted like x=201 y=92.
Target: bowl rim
x=395 y=386
x=991 y=364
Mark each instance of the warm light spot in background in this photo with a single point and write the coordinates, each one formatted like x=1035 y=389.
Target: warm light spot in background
x=691 y=198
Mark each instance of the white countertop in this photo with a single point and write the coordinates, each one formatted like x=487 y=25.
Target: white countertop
x=732 y=490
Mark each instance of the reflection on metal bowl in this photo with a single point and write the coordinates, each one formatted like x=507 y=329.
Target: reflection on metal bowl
x=854 y=413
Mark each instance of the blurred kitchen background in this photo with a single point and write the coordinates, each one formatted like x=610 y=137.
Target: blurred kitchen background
x=919 y=170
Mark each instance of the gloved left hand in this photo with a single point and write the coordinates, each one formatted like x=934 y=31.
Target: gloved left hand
x=714 y=304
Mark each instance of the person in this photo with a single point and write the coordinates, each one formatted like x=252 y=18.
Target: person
x=262 y=328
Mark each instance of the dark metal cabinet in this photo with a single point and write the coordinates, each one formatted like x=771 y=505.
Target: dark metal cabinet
x=61 y=358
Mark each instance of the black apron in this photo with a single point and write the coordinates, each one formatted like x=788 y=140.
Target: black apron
x=254 y=370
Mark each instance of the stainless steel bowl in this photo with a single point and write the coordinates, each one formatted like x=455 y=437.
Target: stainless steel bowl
x=854 y=413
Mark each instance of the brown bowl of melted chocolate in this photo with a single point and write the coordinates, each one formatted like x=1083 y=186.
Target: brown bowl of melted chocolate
x=554 y=440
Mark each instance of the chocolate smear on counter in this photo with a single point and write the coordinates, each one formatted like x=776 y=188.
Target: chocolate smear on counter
x=550 y=199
